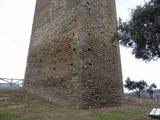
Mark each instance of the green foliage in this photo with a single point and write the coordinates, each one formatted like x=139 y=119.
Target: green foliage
x=10 y=115
x=142 y=31
x=135 y=86
x=7 y=115
x=101 y=116
x=150 y=90
x=116 y=115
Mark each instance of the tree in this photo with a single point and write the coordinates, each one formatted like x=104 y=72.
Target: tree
x=142 y=31
x=134 y=86
x=150 y=90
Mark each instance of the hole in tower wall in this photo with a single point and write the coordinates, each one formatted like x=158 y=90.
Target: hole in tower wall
x=90 y=64
x=89 y=75
x=74 y=49
x=89 y=33
x=89 y=49
x=71 y=64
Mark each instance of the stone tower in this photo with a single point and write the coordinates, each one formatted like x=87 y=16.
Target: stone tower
x=73 y=59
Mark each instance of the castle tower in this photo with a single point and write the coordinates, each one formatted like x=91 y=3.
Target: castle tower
x=73 y=59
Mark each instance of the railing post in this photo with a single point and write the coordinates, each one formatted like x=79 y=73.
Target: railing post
x=11 y=82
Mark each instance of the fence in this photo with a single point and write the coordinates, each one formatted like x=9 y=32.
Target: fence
x=11 y=81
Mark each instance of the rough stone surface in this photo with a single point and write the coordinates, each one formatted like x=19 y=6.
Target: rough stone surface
x=73 y=60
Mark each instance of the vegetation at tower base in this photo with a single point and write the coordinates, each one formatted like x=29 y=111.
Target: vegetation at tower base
x=135 y=86
x=142 y=31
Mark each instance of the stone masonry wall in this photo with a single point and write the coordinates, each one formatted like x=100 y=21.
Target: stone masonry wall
x=73 y=59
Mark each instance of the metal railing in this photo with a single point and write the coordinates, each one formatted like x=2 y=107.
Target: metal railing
x=11 y=81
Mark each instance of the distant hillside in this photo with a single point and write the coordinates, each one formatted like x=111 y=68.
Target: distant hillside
x=144 y=94
x=157 y=91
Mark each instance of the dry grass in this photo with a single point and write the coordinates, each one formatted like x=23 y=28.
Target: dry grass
x=17 y=104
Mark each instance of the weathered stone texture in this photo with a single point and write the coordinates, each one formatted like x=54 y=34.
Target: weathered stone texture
x=73 y=59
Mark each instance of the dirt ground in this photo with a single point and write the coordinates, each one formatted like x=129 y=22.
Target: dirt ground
x=17 y=104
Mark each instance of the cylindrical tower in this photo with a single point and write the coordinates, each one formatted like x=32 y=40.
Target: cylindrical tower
x=73 y=59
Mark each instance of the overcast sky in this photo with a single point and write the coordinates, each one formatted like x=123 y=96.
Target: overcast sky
x=16 y=18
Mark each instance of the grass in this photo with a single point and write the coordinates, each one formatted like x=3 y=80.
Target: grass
x=116 y=115
x=21 y=105
x=10 y=115
x=101 y=116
